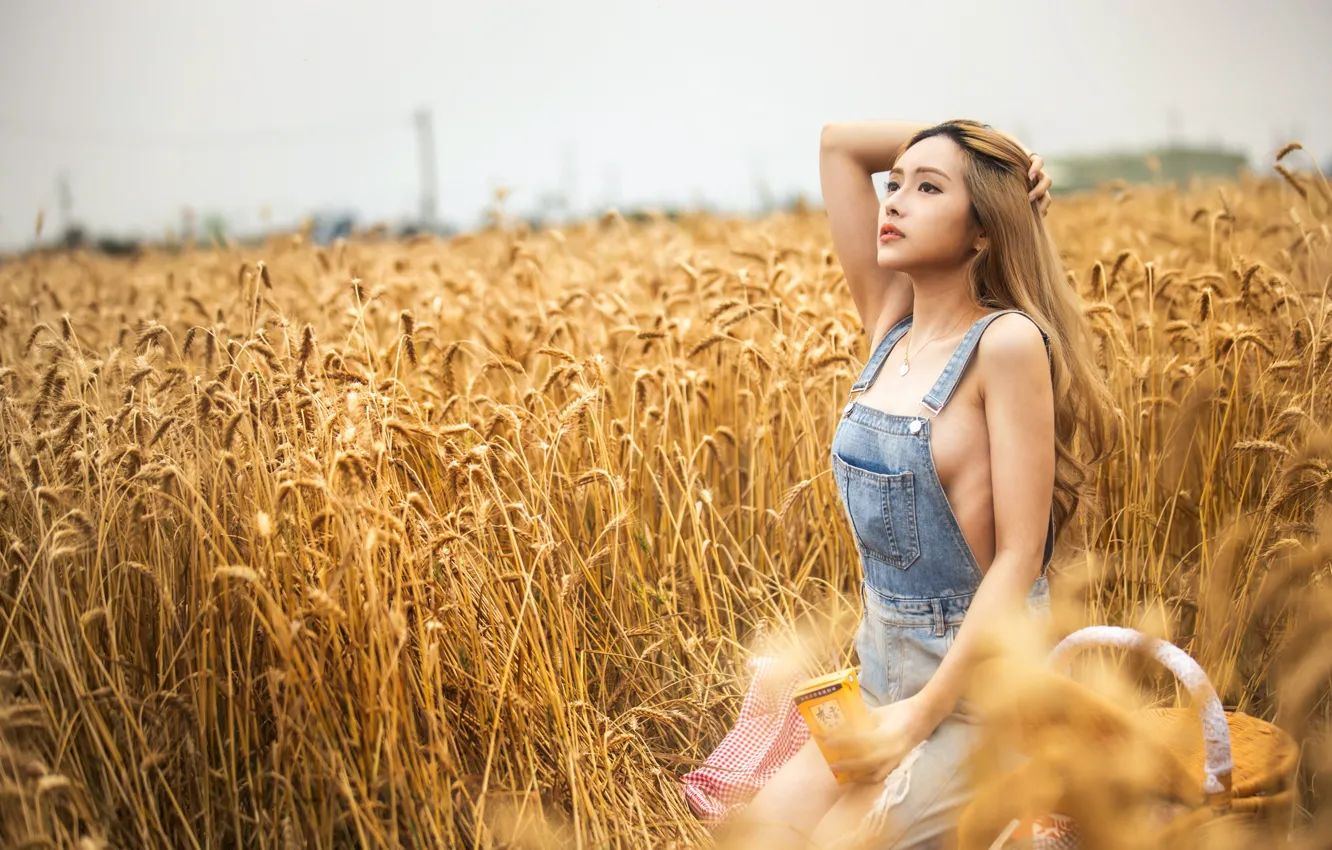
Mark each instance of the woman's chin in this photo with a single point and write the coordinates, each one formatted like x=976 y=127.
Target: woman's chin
x=890 y=258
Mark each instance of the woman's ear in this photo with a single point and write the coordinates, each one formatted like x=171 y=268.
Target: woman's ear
x=980 y=244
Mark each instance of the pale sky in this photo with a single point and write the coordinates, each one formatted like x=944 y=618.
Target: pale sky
x=150 y=106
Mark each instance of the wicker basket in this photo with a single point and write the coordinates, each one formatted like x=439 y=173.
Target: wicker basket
x=1234 y=767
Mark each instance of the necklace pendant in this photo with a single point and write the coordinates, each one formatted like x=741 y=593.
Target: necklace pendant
x=903 y=369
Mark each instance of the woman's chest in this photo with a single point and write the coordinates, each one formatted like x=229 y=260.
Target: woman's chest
x=957 y=444
x=960 y=447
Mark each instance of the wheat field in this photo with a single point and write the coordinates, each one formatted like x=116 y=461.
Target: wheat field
x=465 y=542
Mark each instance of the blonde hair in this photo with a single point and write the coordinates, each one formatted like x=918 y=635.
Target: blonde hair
x=1020 y=269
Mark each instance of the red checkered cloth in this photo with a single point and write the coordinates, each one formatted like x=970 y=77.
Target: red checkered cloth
x=768 y=732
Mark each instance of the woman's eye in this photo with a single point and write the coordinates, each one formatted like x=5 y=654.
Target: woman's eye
x=892 y=186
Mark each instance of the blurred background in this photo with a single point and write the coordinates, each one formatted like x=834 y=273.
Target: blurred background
x=127 y=121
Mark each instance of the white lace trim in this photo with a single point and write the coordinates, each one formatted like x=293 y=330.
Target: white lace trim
x=896 y=786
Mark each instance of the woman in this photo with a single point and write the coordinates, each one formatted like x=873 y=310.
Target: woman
x=954 y=458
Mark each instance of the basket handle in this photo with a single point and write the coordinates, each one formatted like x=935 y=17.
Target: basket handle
x=1217 y=762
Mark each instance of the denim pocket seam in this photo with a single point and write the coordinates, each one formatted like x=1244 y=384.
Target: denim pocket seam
x=908 y=544
x=880 y=481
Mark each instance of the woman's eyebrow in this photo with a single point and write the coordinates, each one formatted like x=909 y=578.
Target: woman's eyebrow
x=920 y=169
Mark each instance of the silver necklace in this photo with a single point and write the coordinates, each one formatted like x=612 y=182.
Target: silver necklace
x=906 y=348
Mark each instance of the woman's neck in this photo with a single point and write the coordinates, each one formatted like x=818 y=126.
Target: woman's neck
x=942 y=302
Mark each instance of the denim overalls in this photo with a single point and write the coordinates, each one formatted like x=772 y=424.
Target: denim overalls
x=919 y=572
x=919 y=577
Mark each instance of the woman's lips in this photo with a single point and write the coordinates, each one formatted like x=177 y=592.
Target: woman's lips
x=890 y=235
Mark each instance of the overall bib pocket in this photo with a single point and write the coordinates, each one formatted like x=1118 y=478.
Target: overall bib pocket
x=882 y=510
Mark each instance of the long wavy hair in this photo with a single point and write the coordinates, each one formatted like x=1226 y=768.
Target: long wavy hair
x=1020 y=269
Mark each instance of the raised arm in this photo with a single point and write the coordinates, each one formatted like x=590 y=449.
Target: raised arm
x=849 y=152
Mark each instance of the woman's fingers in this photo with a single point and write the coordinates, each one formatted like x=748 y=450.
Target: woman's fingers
x=855 y=765
x=1043 y=187
x=1040 y=193
x=1043 y=181
x=865 y=769
x=874 y=762
x=842 y=739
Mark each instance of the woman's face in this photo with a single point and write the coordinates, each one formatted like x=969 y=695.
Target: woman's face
x=925 y=218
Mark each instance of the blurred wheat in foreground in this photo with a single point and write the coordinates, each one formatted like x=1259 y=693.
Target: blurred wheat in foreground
x=464 y=543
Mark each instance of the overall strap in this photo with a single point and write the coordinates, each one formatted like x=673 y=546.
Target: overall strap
x=879 y=355
x=952 y=374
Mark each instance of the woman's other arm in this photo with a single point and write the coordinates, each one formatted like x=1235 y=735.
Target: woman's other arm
x=1019 y=415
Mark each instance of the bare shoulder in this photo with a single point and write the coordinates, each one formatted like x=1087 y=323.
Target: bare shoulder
x=1012 y=355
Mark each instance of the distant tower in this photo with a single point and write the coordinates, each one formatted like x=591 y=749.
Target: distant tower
x=425 y=153
x=65 y=200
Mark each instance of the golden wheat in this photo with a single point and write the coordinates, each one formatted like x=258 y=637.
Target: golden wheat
x=493 y=572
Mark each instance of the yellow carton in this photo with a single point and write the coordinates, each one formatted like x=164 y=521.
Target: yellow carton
x=828 y=702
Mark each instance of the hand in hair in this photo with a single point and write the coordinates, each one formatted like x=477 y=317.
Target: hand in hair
x=1040 y=190
x=1040 y=181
